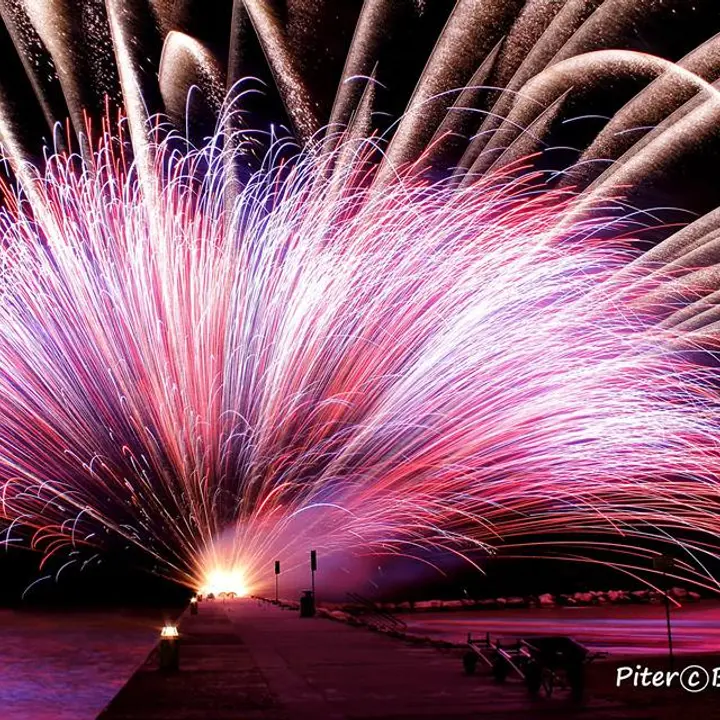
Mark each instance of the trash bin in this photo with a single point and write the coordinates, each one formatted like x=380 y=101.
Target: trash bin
x=307 y=604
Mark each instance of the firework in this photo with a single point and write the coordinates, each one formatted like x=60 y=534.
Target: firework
x=320 y=363
x=227 y=355
x=454 y=80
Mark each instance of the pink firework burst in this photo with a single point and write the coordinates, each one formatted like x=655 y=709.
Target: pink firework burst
x=226 y=377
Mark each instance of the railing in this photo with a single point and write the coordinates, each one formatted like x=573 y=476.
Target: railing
x=376 y=617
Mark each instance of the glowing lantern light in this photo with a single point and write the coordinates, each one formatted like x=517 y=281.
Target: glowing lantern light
x=169 y=631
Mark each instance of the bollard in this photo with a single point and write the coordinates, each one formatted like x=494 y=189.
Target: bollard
x=193 y=606
x=307 y=604
x=169 y=649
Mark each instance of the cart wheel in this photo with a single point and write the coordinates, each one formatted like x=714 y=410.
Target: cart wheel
x=470 y=661
x=533 y=677
x=576 y=680
x=549 y=683
x=500 y=670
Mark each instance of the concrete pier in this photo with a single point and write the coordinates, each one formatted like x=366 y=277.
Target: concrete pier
x=251 y=660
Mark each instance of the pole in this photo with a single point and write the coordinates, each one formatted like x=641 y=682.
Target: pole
x=665 y=563
x=667 y=618
x=313 y=568
x=277 y=572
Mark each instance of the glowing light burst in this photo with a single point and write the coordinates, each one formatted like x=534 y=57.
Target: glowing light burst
x=225 y=581
x=314 y=363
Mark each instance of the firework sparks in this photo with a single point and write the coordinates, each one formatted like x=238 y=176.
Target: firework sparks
x=322 y=364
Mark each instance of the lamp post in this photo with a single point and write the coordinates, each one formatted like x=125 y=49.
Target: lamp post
x=665 y=563
x=307 y=601
x=193 y=605
x=313 y=568
x=277 y=572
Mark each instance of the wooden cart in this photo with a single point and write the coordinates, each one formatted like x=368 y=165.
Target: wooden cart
x=541 y=663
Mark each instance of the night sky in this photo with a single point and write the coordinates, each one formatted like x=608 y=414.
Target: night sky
x=59 y=67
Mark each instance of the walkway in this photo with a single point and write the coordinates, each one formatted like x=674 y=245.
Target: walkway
x=251 y=661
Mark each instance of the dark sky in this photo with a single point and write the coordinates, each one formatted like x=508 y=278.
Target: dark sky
x=319 y=37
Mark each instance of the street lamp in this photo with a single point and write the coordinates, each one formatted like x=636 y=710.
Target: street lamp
x=313 y=568
x=277 y=572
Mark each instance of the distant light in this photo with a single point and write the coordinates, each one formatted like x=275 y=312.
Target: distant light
x=193 y=599
x=223 y=581
x=169 y=631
